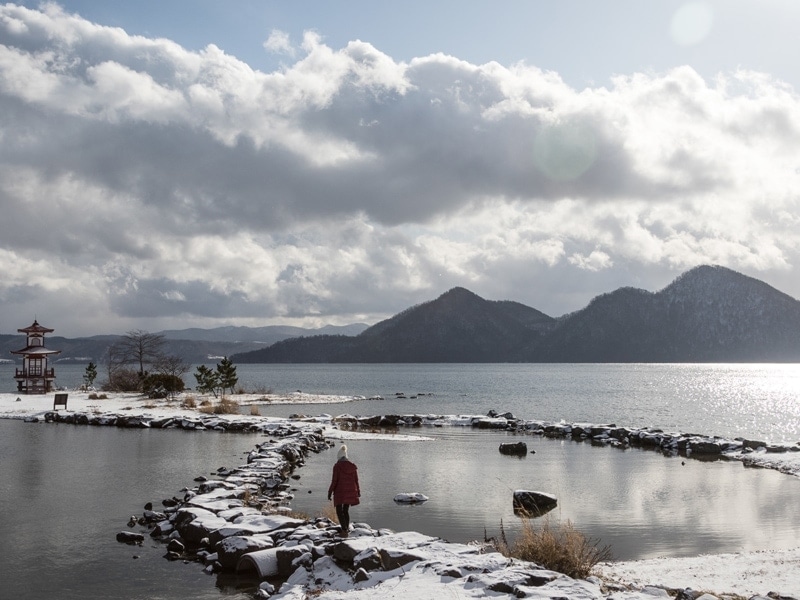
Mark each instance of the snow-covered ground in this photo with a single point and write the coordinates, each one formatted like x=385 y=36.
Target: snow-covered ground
x=745 y=574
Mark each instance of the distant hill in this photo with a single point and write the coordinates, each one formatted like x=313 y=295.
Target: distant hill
x=458 y=326
x=708 y=314
x=262 y=335
x=195 y=346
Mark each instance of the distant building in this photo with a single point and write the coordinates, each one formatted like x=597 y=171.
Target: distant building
x=35 y=377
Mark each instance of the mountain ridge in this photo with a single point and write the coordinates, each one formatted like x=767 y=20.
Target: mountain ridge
x=707 y=314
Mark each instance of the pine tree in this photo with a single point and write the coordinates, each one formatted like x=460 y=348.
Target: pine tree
x=226 y=374
x=207 y=380
x=90 y=374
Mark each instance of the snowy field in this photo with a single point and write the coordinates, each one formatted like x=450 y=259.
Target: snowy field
x=745 y=574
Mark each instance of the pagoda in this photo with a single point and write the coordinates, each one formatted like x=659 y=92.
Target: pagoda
x=35 y=377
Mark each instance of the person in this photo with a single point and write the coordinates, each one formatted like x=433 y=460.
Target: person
x=344 y=488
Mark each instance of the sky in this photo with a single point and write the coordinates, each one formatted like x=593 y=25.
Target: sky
x=169 y=164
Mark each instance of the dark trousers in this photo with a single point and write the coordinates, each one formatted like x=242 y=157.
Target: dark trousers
x=343 y=513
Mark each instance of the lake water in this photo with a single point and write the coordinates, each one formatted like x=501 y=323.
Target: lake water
x=66 y=491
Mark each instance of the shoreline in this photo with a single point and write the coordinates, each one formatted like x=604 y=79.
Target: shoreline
x=631 y=575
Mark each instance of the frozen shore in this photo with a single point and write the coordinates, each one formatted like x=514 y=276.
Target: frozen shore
x=745 y=574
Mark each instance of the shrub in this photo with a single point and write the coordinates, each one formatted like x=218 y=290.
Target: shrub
x=560 y=548
x=329 y=512
x=123 y=380
x=161 y=385
x=225 y=406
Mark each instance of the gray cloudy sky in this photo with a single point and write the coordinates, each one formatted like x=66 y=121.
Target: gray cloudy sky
x=234 y=170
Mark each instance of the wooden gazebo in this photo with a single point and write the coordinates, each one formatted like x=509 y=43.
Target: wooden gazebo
x=35 y=377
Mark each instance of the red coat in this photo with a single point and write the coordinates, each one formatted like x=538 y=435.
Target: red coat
x=344 y=483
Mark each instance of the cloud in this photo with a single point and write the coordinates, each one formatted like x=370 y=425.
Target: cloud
x=145 y=184
x=278 y=42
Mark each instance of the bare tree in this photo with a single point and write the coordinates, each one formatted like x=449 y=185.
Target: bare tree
x=171 y=365
x=140 y=348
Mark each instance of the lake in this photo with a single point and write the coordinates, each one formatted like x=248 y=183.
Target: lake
x=68 y=490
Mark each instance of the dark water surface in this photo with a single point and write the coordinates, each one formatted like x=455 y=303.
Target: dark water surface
x=639 y=502
x=65 y=491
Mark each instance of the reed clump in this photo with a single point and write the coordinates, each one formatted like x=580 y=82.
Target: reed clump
x=329 y=512
x=226 y=406
x=558 y=547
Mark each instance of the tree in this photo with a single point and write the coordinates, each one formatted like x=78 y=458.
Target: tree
x=169 y=364
x=90 y=374
x=207 y=380
x=140 y=348
x=137 y=347
x=217 y=381
x=171 y=370
x=226 y=372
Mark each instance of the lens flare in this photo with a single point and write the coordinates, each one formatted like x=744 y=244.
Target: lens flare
x=691 y=23
x=564 y=151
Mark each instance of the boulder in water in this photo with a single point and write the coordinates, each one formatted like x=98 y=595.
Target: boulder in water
x=530 y=503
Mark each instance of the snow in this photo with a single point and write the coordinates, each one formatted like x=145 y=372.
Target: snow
x=745 y=574
x=410 y=497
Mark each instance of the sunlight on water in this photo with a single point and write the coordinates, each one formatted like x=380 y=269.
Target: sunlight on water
x=731 y=400
x=764 y=398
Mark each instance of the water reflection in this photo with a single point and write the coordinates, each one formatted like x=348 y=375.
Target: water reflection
x=639 y=502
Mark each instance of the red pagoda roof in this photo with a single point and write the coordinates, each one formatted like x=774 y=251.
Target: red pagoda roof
x=35 y=328
x=35 y=351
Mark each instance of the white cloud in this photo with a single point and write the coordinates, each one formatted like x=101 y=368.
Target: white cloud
x=279 y=43
x=155 y=182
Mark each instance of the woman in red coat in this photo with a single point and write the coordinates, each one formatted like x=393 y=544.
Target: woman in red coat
x=344 y=488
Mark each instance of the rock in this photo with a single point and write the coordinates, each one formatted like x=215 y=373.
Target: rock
x=289 y=559
x=515 y=449
x=395 y=558
x=533 y=504
x=369 y=559
x=129 y=537
x=410 y=498
x=176 y=546
x=231 y=549
x=263 y=562
x=194 y=524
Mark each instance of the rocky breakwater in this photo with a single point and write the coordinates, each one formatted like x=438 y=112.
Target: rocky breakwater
x=239 y=525
x=201 y=422
x=783 y=457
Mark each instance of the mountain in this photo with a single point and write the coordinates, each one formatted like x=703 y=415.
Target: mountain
x=194 y=346
x=708 y=314
x=458 y=326
x=263 y=335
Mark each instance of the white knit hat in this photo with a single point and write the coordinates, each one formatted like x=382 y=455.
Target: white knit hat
x=342 y=453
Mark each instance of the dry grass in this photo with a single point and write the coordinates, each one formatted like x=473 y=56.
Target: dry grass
x=225 y=406
x=558 y=547
x=329 y=512
x=189 y=402
x=254 y=410
x=96 y=396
